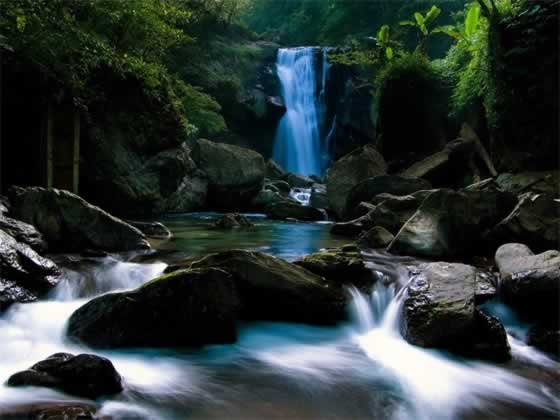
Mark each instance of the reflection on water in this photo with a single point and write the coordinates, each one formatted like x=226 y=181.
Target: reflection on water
x=194 y=234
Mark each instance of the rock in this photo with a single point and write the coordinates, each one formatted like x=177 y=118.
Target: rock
x=274 y=171
x=267 y=198
x=530 y=283
x=439 y=311
x=23 y=232
x=235 y=174
x=70 y=223
x=545 y=339
x=298 y=181
x=447 y=168
x=291 y=210
x=535 y=221
x=450 y=223
x=341 y=266
x=282 y=186
x=51 y=410
x=485 y=287
x=319 y=198
x=232 y=220
x=4 y=205
x=348 y=172
x=24 y=274
x=351 y=228
x=84 y=375
x=184 y=308
x=275 y=290
x=376 y=237
x=546 y=182
x=392 y=184
x=151 y=229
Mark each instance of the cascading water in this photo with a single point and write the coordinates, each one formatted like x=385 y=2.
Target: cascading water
x=298 y=146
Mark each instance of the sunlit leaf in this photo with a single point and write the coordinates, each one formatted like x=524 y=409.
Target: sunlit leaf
x=472 y=20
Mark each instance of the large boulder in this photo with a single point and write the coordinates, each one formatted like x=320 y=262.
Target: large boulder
x=535 y=221
x=376 y=237
x=293 y=210
x=84 y=375
x=274 y=171
x=547 y=182
x=273 y=289
x=51 y=410
x=391 y=184
x=70 y=223
x=349 y=171
x=529 y=282
x=235 y=174
x=23 y=232
x=232 y=220
x=298 y=181
x=450 y=223
x=184 y=308
x=439 y=311
x=156 y=230
x=24 y=274
x=268 y=197
x=319 y=198
x=343 y=266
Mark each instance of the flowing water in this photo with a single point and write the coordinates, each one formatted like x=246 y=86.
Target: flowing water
x=299 y=146
x=360 y=369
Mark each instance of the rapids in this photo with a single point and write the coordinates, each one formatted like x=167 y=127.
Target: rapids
x=360 y=369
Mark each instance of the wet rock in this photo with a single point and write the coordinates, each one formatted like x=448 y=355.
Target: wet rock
x=84 y=375
x=376 y=237
x=57 y=410
x=235 y=174
x=349 y=171
x=530 y=283
x=485 y=287
x=24 y=274
x=274 y=171
x=23 y=232
x=4 y=205
x=545 y=339
x=69 y=223
x=450 y=223
x=273 y=289
x=351 y=228
x=439 y=311
x=298 y=181
x=267 y=198
x=184 y=308
x=319 y=198
x=292 y=210
x=282 y=186
x=232 y=220
x=342 y=266
x=535 y=221
x=391 y=184
x=151 y=229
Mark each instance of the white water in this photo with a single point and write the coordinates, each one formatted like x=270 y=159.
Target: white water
x=298 y=146
x=303 y=195
x=360 y=370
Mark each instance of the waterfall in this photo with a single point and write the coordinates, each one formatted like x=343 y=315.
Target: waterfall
x=298 y=146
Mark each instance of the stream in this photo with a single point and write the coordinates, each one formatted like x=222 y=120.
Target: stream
x=359 y=369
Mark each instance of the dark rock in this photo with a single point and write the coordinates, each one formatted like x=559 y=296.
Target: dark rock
x=530 y=283
x=535 y=221
x=267 y=198
x=151 y=229
x=235 y=174
x=545 y=339
x=450 y=223
x=4 y=205
x=273 y=289
x=292 y=210
x=346 y=173
x=24 y=274
x=184 y=308
x=274 y=171
x=282 y=186
x=232 y=220
x=84 y=375
x=376 y=237
x=351 y=228
x=439 y=311
x=485 y=287
x=70 y=223
x=23 y=232
x=391 y=184
x=341 y=266
x=319 y=198
x=52 y=410
x=298 y=181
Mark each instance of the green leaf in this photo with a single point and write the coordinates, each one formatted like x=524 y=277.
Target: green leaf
x=424 y=29
x=448 y=30
x=383 y=34
x=407 y=23
x=389 y=53
x=472 y=20
x=21 y=22
x=419 y=18
x=432 y=15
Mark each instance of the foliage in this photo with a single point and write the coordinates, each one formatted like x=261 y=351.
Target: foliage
x=424 y=23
